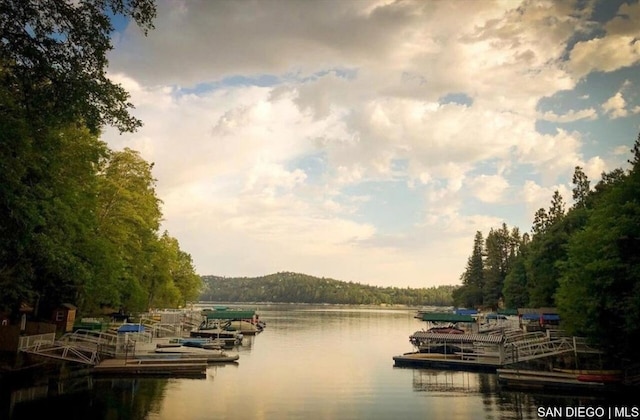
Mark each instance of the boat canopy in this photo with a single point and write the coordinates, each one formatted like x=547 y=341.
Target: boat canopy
x=543 y=317
x=125 y=328
x=458 y=338
x=507 y=312
x=229 y=314
x=446 y=317
x=464 y=311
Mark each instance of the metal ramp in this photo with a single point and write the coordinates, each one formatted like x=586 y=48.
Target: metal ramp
x=45 y=345
x=530 y=346
x=81 y=346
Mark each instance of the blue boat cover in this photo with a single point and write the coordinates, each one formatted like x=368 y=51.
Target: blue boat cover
x=463 y=311
x=545 y=317
x=131 y=328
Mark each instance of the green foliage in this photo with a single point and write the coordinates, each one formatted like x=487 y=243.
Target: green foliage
x=470 y=295
x=302 y=288
x=515 y=283
x=54 y=53
x=79 y=222
x=599 y=288
x=487 y=268
x=584 y=261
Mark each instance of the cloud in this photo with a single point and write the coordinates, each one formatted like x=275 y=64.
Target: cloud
x=489 y=188
x=570 y=116
x=618 y=48
x=615 y=106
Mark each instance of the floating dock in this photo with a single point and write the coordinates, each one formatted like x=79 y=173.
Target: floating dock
x=193 y=368
x=559 y=381
x=446 y=362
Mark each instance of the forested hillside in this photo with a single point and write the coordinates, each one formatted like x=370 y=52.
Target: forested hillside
x=301 y=288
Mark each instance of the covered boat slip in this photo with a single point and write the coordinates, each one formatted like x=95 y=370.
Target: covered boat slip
x=455 y=351
x=228 y=314
x=231 y=319
x=483 y=351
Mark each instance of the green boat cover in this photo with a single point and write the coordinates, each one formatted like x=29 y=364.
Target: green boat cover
x=507 y=312
x=229 y=314
x=446 y=317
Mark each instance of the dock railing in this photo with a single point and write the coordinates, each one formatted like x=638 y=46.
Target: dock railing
x=31 y=341
x=536 y=345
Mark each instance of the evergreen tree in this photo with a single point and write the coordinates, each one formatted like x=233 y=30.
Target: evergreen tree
x=470 y=294
x=581 y=187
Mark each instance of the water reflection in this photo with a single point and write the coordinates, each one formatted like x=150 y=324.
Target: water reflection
x=85 y=397
x=425 y=380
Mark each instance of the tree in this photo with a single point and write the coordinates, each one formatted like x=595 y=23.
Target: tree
x=515 y=290
x=557 y=208
x=47 y=220
x=54 y=99
x=599 y=292
x=129 y=218
x=581 y=187
x=501 y=248
x=53 y=59
x=540 y=222
x=470 y=294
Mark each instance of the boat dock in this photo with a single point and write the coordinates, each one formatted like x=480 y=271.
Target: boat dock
x=171 y=367
x=126 y=354
x=559 y=381
x=485 y=352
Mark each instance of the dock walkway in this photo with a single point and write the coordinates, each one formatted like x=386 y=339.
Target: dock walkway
x=196 y=367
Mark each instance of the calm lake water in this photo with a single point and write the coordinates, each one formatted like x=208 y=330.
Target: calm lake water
x=311 y=362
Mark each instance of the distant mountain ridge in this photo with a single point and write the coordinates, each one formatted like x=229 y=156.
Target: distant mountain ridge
x=287 y=287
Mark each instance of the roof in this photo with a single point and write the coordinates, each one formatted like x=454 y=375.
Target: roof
x=446 y=317
x=545 y=317
x=522 y=311
x=229 y=314
x=507 y=312
x=464 y=311
x=459 y=338
x=131 y=328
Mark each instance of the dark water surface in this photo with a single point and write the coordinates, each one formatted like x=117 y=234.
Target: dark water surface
x=311 y=362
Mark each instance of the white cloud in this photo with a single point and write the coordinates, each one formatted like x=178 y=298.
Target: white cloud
x=489 y=188
x=618 y=48
x=570 y=116
x=615 y=106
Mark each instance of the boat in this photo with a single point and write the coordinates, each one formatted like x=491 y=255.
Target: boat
x=210 y=355
x=246 y=322
x=443 y=324
x=227 y=339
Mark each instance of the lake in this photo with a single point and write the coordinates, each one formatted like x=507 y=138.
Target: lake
x=310 y=362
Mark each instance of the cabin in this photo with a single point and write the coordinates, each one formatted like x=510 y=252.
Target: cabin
x=64 y=316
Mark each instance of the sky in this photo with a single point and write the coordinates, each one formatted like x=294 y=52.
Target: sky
x=368 y=141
